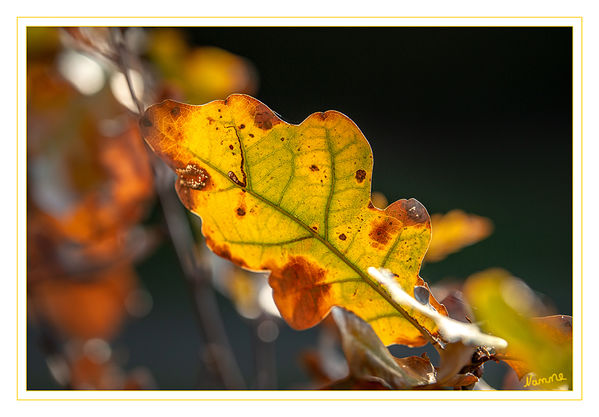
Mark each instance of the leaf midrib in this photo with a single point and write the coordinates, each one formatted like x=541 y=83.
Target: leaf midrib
x=290 y=216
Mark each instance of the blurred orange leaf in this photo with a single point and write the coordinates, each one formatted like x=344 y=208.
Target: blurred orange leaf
x=89 y=181
x=115 y=199
x=202 y=73
x=89 y=174
x=92 y=365
x=92 y=307
x=454 y=231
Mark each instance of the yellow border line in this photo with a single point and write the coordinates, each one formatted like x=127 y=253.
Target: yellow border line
x=17 y=192
x=581 y=203
x=300 y=17
x=302 y=399
x=317 y=399
x=317 y=26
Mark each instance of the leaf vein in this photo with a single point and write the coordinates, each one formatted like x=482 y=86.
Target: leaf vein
x=280 y=243
x=332 y=189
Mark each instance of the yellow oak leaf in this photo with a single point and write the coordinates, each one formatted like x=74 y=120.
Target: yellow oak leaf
x=295 y=200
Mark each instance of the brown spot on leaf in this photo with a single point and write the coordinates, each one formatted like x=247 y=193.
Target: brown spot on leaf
x=264 y=118
x=342 y=236
x=360 y=175
x=240 y=211
x=251 y=135
x=176 y=111
x=383 y=230
x=231 y=147
x=241 y=126
x=313 y=168
x=193 y=176
x=300 y=292
x=210 y=120
x=314 y=227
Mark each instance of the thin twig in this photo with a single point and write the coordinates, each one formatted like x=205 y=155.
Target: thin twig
x=122 y=54
x=197 y=277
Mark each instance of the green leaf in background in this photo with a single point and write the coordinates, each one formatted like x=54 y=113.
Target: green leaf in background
x=539 y=348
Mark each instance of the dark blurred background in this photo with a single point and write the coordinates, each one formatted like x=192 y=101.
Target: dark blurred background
x=473 y=118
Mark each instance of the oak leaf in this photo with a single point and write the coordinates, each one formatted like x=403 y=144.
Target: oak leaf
x=369 y=360
x=454 y=231
x=295 y=200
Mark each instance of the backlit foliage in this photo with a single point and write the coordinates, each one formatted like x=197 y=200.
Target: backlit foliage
x=289 y=205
